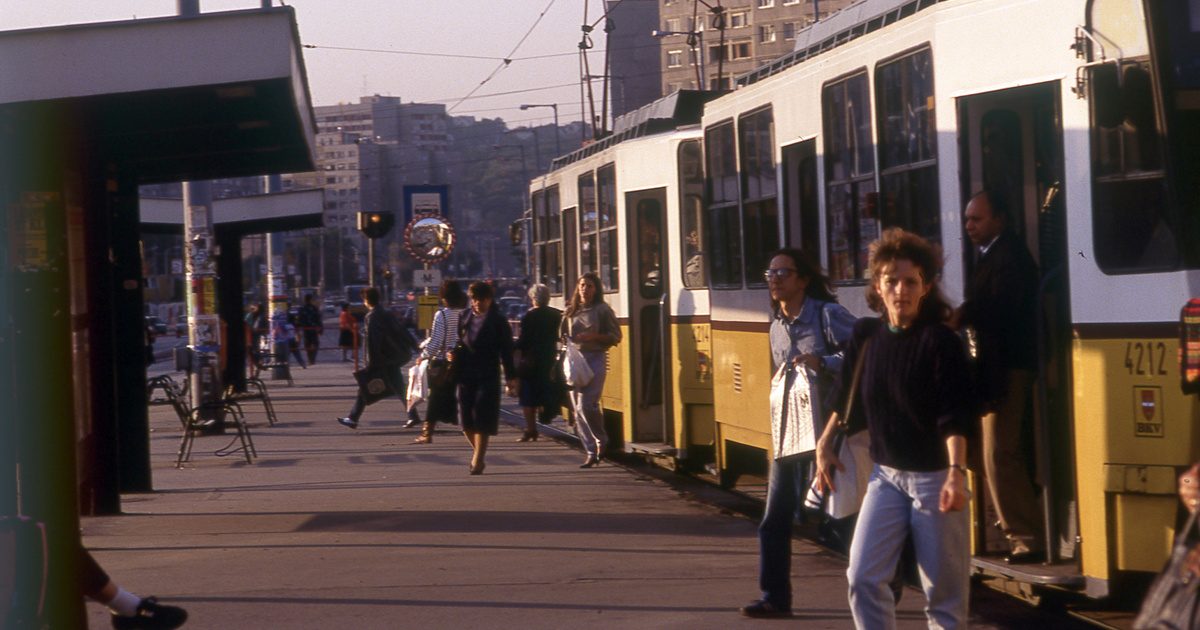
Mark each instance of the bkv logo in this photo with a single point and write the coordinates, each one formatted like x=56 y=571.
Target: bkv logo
x=1148 y=413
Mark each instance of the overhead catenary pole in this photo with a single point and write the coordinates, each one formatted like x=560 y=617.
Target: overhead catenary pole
x=276 y=292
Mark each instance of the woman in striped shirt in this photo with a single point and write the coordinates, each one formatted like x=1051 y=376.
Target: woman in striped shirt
x=443 y=336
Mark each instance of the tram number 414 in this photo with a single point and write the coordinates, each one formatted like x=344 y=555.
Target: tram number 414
x=1146 y=358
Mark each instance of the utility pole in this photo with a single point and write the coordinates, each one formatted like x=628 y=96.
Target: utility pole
x=276 y=291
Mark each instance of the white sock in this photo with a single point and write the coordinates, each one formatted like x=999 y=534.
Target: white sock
x=124 y=604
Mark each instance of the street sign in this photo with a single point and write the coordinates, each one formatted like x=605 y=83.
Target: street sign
x=427 y=278
x=426 y=199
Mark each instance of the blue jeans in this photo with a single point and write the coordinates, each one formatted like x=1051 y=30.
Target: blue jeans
x=785 y=495
x=899 y=504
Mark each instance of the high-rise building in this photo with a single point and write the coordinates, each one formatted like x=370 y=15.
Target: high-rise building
x=635 y=74
x=756 y=31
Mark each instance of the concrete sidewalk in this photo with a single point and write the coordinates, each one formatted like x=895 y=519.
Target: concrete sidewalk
x=335 y=528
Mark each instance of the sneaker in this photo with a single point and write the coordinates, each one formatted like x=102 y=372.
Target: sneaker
x=763 y=609
x=348 y=423
x=152 y=615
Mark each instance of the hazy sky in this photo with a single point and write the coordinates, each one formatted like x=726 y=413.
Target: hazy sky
x=486 y=28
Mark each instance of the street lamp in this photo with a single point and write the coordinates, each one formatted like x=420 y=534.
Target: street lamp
x=693 y=37
x=554 y=106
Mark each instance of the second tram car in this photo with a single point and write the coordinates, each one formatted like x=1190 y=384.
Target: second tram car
x=1083 y=113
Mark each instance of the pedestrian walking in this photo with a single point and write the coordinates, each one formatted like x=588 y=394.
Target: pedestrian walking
x=283 y=333
x=913 y=392
x=346 y=327
x=129 y=611
x=810 y=329
x=442 y=404
x=389 y=347
x=256 y=323
x=485 y=345
x=536 y=346
x=311 y=327
x=590 y=322
x=1001 y=310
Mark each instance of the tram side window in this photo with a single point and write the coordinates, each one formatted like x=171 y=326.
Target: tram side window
x=724 y=243
x=760 y=210
x=609 y=270
x=908 y=145
x=691 y=209
x=547 y=236
x=589 y=259
x=1132 y=228
x=851 y=201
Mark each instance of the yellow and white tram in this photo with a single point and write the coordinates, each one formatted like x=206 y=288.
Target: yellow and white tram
x=892 y=113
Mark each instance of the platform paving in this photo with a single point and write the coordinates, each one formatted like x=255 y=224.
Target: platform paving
x=339 y=528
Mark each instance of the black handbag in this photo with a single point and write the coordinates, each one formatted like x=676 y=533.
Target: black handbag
x=372 y=385
x=440 y=372
x=1171 y=602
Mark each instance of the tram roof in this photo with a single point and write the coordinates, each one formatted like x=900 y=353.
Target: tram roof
x=852 y=22
x=677 y=109
x=219 y=94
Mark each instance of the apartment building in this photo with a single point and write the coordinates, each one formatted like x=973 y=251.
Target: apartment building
x=756 y=31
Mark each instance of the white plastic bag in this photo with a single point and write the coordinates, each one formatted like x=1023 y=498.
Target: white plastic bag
x=576 y=371
x=793 y=431
x=418 y=384
x=855 y=454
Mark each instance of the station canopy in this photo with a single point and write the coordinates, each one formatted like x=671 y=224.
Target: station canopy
x=241 y=216
x=220 y=94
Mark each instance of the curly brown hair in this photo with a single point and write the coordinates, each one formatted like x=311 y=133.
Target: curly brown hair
x=897 y=244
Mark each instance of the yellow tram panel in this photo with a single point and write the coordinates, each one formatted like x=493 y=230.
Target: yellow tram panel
x=692 y=384
x=742 y=386
x=1134 y=430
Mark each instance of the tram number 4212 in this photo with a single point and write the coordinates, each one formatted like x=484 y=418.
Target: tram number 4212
x=1146 y=358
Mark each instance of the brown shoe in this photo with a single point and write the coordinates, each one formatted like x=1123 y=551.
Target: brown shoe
x=426 y=436
x=528 y=436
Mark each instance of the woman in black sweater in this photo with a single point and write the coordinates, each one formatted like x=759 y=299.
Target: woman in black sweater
x=914 y=397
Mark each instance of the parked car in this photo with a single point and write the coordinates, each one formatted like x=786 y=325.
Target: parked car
x=158 y=326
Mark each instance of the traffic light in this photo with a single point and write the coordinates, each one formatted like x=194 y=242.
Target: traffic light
x=375 y=224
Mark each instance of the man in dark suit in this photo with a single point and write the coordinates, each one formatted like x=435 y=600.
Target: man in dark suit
x=1001 y=304
x=389 y=347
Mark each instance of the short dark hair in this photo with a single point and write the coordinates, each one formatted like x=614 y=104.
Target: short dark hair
x=371 y=296
x=481 y=291
x=998 y=202
x=452 y=294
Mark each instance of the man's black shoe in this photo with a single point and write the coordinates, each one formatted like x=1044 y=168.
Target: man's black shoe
x=763 y=609
x=348 y=423
x=153 y=616
x=1023 y=557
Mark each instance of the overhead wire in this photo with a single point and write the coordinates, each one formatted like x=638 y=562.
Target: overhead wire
x=507 y=59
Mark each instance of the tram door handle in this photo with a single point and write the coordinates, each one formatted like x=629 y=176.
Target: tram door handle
x=1051 y=195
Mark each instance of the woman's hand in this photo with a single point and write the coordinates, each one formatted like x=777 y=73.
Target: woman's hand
x=954 y=492
x=811 y=361
x=827 y=461
x=511 y=386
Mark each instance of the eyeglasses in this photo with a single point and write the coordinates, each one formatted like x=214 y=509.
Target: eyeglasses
x=778 y=274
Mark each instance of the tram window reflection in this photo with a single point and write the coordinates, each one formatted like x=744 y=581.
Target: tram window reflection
x=691 y=204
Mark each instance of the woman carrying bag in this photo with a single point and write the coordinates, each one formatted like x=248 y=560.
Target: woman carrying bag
x=589 y=322
x=441 y=404
x=485 y=345
x=913 y=391
x=808 y=330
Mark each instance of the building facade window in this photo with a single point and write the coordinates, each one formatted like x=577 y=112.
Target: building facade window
x=908 y=183
x=789 y=31
x=766 y=4
x=740 y=19
x=739 y=50
x=674 y=58
x=766 y=33
x=851 y=220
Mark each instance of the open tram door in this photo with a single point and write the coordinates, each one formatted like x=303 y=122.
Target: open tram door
x=651 y=422
x=1011 y=142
